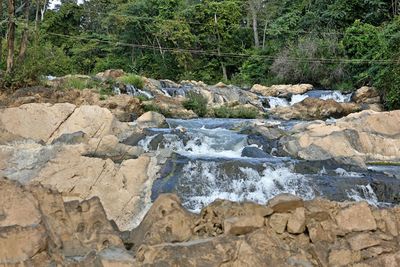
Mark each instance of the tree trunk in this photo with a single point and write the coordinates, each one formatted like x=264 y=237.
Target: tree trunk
x=1 y=35
x=10 y=36
x=223 y=67
x=253 y=12
x=25 y=34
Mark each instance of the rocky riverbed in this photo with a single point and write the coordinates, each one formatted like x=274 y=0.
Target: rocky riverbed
x=98 y=182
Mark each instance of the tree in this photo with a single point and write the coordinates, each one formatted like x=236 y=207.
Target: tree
x=25 y=33
x=10 y=36
x=254 y=8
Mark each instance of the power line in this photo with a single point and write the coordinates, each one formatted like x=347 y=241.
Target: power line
x=232 y=55
x=199 y=23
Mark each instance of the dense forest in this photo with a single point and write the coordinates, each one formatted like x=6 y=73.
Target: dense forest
x=340 y=44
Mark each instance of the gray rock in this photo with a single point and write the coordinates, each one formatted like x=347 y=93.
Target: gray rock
x=254 y=152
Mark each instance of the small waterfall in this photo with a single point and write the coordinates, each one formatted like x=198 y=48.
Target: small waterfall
x=321 y=94
x=364 y=193
x=204 y=181
x=133 y=91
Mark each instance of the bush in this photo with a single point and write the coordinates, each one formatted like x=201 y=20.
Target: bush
x=197 y=103
x=236 y=112
x=158 y=109
x=132 y=79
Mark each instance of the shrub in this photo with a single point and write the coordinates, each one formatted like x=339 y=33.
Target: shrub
x=132 y=79
x=153 y=107
x=237 y=112
x=197 y=103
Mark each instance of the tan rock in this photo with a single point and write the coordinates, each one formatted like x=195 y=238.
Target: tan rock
x=342 y=257
x=243 y=225
x=281 y=90
x=166 y=221
x=94 y=121
x=357 y=217
x=367 y=95
x=285 y=202
x=362 y=240
x=151 y=119
x=278 y=222
x=110 y=74
x=20 y=244
x=17 y=206
x=34 y=121
x=390 y=222
x=120 y=188
x=297 y=221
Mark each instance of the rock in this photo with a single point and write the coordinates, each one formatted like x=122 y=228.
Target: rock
x=361 y=241
x=342 y=257
x=70 y=138
x=151 y=120
x=121 y=188
x=108 y=147
x=315 y=108
x=297 y=221
x=133 y=139
x=285 y=203
x=360 y=137
x=357 y=217
x=278 y=222
x=212 y=217
x=115 y=257
x=243 y=225
x=110 y=74
x=254 y=152
x=166 y=221
x=33 y=121
x=52 y=233
x=366 y=95
x=92 y=120
x=281 y=90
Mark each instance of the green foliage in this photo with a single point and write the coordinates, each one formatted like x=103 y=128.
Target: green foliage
x=197 y=103
x=153 y=107
x=79 y=83
x=236 y=112
x=132 y=79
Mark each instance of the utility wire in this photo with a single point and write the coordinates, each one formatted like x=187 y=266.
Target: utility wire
x=199 y=23
x=232 y=55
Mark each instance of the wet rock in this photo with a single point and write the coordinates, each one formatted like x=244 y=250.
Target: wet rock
x=133 y=139
x=285 y=203
x=357 y=217
x=151 y=120
x=297 y=221
x=243 y=225
x=70 y=138
x=254 y=152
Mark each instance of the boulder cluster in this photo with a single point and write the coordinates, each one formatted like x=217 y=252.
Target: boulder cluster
x=38 y=228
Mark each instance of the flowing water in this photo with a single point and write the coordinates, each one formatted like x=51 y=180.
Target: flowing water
x=209 y=162
x=338 y=96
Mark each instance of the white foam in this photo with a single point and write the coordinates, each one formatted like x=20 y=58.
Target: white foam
x=248 y=185
x=367 y=194
x=297 y=99
x=277 y=102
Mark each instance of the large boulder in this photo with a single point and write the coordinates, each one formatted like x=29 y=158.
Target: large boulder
x=151 y=119
x=38 y=122
x=284 y=90
x=315 y=108
x=47 y=122
x=360 y=137
x=123 y=189
x=38 y=228
x=110 y=74
x=366 y=95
